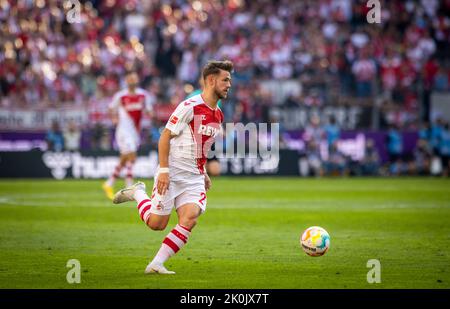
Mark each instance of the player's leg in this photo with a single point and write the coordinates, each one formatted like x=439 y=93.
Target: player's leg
x=189 y=204
x=130 y=160
x=128 y=145
x=109 y=184
x=154 y=211
x=176 y=239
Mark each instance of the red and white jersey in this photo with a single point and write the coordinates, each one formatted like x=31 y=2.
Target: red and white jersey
x=130 y=108
x=195 y=125
x=364 y=69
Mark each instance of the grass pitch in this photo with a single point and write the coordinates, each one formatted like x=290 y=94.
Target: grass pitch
x=248 y=237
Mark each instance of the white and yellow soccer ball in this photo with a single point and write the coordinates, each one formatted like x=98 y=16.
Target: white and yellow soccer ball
x=315 y=241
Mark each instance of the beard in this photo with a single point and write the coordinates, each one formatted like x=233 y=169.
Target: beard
x=221 y=94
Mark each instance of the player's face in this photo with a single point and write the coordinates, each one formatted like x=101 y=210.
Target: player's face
x=222 y=84
x=132 y=81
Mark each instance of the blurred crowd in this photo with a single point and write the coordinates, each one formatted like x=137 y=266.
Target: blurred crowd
x=430 y=154
x=326 y=49
x=327 y=46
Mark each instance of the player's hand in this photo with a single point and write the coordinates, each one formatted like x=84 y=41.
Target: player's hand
x=163 y=183
x=208 y=182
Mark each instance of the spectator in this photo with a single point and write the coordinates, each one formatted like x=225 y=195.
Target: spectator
x=364 y=70
x=72 y=137
x=395 y=149
x=436 y=135
x=313 y=159
x=425 y=132
x=370 y=165
x=336 y=165
x=55 y=138
x=390 y=71
x=332 y=131
x=441 y=81
x=96 y=134
x=421 y=158
x=105 y=141
x=314 y=131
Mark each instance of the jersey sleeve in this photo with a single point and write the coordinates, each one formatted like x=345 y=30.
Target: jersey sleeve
x=180 y=118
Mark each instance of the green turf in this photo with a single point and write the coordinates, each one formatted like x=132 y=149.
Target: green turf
x=248 y=238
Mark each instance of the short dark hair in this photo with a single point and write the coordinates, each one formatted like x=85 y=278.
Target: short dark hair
x=214 y=67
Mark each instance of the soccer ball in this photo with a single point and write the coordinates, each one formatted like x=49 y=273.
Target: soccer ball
x=315 y=241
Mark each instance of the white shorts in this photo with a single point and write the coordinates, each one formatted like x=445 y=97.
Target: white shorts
x=127 y=143
x=190 y=190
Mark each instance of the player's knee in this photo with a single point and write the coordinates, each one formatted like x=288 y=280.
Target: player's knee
x=156 y=226
x=188 y=222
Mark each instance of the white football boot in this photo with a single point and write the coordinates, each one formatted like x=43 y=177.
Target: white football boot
x=155 y=268
x=127 y=194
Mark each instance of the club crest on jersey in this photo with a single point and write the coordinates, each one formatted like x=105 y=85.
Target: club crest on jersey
x=207 y=130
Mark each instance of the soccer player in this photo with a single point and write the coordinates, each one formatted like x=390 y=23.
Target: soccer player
x=181 y=180
x=127 y=109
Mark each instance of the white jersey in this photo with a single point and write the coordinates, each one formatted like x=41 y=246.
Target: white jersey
x=195 y=125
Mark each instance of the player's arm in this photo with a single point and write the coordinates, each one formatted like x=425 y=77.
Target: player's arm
x=163 y=154
x=112 y=109
x=114 y=116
